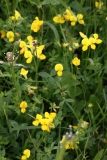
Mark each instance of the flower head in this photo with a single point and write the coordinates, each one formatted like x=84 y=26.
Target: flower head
x=45 y=121
x=2 y=34
x=91 y=41
x=76 y=61
x=98 y=4
x=23 y=106
x=67 y=14
x=10 y=36
x=59 y=19
x=29 y=56
x=23 y=47
x=59 y=69
x=17 y=15
x=97 y=40
x=39 y=53
x=37 y=120
x=80 y=18
x=73 y=20
x=24 y=72
x=26 y=154
x=36 y=24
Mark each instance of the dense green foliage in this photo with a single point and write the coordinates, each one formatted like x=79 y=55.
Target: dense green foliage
x=53 y=80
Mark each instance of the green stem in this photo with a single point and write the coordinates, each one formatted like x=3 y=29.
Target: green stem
x=7 y=120
x=7 y=5
x=36 y=67
x=87 y=58
x=72 y=110
x=14 y=78
x=63 y=34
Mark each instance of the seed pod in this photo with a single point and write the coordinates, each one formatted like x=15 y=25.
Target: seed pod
x=9 y=56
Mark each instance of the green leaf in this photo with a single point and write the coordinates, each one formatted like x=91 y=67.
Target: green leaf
x=52 y=81
x=54 y=30
x=57 y=91
x=69 y=100
x=24 y=128
x=55 y=2
x=2 y=153
x=5 y=75
x=99 y=155
x=13 y=123
x=44 y=74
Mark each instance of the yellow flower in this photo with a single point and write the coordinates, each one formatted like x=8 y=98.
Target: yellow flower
x=75 y=127
x=38 y=52
x=28 y=55
x=76 y=61
x=80 y=18
x=10 y=36
x=86 y=42
x=36 y=24
x=26 y=154
x=17 y=15
x=75 y=45
x=23 y=47
x=24 y=72
x=59 y=69
x=84 y=124
x=67 y=14
x=59 y=19
x=82 y=35
x=37 y=120
x=3 y=34
x=97 y=41
x=92 y=43
x=73 y=20
x=65 y=44
x=98 y=4
x=30 y=38
x=52 y=115
x=47 y=124
x=23 y=106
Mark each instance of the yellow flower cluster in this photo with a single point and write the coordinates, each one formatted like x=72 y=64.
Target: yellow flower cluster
x=59 y=69
x=26 y=154
x=86 y=42
x=36 y=24
x=70 y=143
x=69 y=16
x=31 y=48
x=70 y=140
x=82 y=125
x=45 y=121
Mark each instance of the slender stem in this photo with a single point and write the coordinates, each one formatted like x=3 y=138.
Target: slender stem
x=63 y=34
x=8 y=12
x=14 y=78
x=36 y=67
